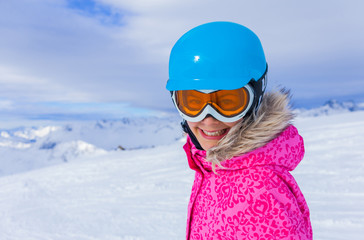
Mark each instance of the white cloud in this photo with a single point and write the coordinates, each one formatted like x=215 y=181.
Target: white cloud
x=21 y=87
x=6 y=104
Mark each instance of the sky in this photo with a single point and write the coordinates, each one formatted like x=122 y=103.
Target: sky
x=109 y=58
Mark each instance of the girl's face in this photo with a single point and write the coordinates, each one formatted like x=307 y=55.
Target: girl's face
x=210 y=130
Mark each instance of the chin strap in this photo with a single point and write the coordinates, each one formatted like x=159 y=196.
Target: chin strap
x=187 y=130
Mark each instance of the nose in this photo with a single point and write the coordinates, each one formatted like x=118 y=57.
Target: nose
x=210 y=120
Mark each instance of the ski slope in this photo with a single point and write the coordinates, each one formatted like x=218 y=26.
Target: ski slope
x=142 y=193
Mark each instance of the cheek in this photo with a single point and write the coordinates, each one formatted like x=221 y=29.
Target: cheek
x=230 y=125
x=193 y=126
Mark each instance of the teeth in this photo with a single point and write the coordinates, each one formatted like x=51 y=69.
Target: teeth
x=217 y=133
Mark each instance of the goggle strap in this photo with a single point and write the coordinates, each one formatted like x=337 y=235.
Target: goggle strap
x=259 y=89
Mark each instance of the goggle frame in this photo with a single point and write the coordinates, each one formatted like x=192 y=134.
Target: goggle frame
x=209 y=109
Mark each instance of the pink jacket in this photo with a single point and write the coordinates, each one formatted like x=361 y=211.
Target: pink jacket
x=255 y=197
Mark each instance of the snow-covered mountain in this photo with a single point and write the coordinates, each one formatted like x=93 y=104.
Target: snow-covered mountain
x=331 y=107
x=28 y=148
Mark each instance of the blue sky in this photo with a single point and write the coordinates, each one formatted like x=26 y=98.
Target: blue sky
x=110 y=57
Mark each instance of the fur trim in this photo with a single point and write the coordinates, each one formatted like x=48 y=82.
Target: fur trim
x=273 y=116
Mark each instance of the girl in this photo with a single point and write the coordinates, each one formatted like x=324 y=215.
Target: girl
x=240 y=141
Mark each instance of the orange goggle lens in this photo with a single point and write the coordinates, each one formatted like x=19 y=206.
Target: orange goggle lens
x=229 y=103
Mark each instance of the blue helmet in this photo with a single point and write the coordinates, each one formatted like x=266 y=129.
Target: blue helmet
x=217 y=56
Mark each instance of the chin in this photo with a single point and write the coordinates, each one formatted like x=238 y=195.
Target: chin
x=207 y=146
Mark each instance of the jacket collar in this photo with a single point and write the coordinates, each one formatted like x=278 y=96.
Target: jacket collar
x=286 y=150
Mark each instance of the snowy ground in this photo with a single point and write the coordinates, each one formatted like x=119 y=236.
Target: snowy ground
x=143 y=193
x=332 y=174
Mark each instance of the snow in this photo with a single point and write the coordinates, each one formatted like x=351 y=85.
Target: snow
x=331 y=174
x=27 y=148
x=331 y=107
x=138 y=194
x=71 y=182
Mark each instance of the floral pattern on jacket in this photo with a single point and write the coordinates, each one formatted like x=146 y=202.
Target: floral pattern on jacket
x=252 y=197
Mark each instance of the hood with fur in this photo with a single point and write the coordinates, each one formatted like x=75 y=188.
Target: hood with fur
x=272 y=118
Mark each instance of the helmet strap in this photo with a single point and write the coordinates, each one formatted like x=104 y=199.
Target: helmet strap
x=188 y=130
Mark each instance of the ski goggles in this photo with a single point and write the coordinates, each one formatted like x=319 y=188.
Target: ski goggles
x=224 y=105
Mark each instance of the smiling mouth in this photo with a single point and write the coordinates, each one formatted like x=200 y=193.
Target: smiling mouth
x=214 y=133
